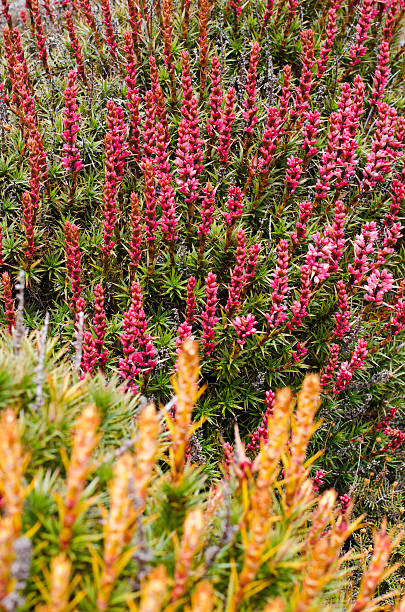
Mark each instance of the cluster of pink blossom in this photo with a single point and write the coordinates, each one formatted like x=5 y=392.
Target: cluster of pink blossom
x=317 y=480
x=245 y=327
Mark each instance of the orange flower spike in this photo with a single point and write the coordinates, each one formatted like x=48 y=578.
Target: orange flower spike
x=203 y=598
x=215 y=499
x=261 y=502
x=269 y=457
x=186 y=389
x=59 y=583
x=12 y=466
x=146 y=449
x=118 y=527
x=6 y=553
x=275 y=605
x=153 y=590
x=322 y=563
x=192 y=532
x=376 y=571
x=323 y=556
x=321 y=516
x=303 y=427
x=85 y=439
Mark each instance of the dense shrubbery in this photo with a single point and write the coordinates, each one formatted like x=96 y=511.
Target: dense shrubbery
x=232 y=172
x=117 y=516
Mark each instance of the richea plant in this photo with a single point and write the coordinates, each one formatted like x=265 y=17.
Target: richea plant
x=229 y=173
x=104 y=511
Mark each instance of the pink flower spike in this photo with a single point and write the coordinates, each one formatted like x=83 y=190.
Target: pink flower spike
x=234 y=205
x=358 y=50
x=343 y=316
x=331 y=31
x=238 y=279
x=251 y=264
x=109 y=29
x=207 y=210
x=73 y=265
x=285 y=94
x=293 y=173
x=183 y=333
x=71 y=159
x=279 y=283
x=300 y=352
x=299 y=307
x=89 y=355
x=249 y=104
x=363 y=246
x=304 y=87
x=208 y=317
x=8 y=302
x=382 y=73
x=331 y=365
x=261 y=432
x=225 y=126
x=214 y=122
x=245 y=327
x=310 y=132
x=359 y=355
x=139 y=352
x=305 y=209
x=190 y=301
x=99 y=326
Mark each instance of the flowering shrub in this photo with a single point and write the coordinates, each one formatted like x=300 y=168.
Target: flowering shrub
x=258 y=150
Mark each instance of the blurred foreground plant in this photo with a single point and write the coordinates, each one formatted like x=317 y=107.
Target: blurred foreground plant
x=132 y=525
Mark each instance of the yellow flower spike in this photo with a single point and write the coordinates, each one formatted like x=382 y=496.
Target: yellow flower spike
x=118 y=528
x=6 y=553
x=153 y=590
x=192 y=532
x=146 y=449
x=303 y=427
x=85 y=439
x=187 y=393
x=377 y=569
x=59 y=584
x=12 y=466
x=203 y=598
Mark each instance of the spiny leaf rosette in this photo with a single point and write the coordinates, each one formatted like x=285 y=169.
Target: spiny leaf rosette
x=227 y=172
